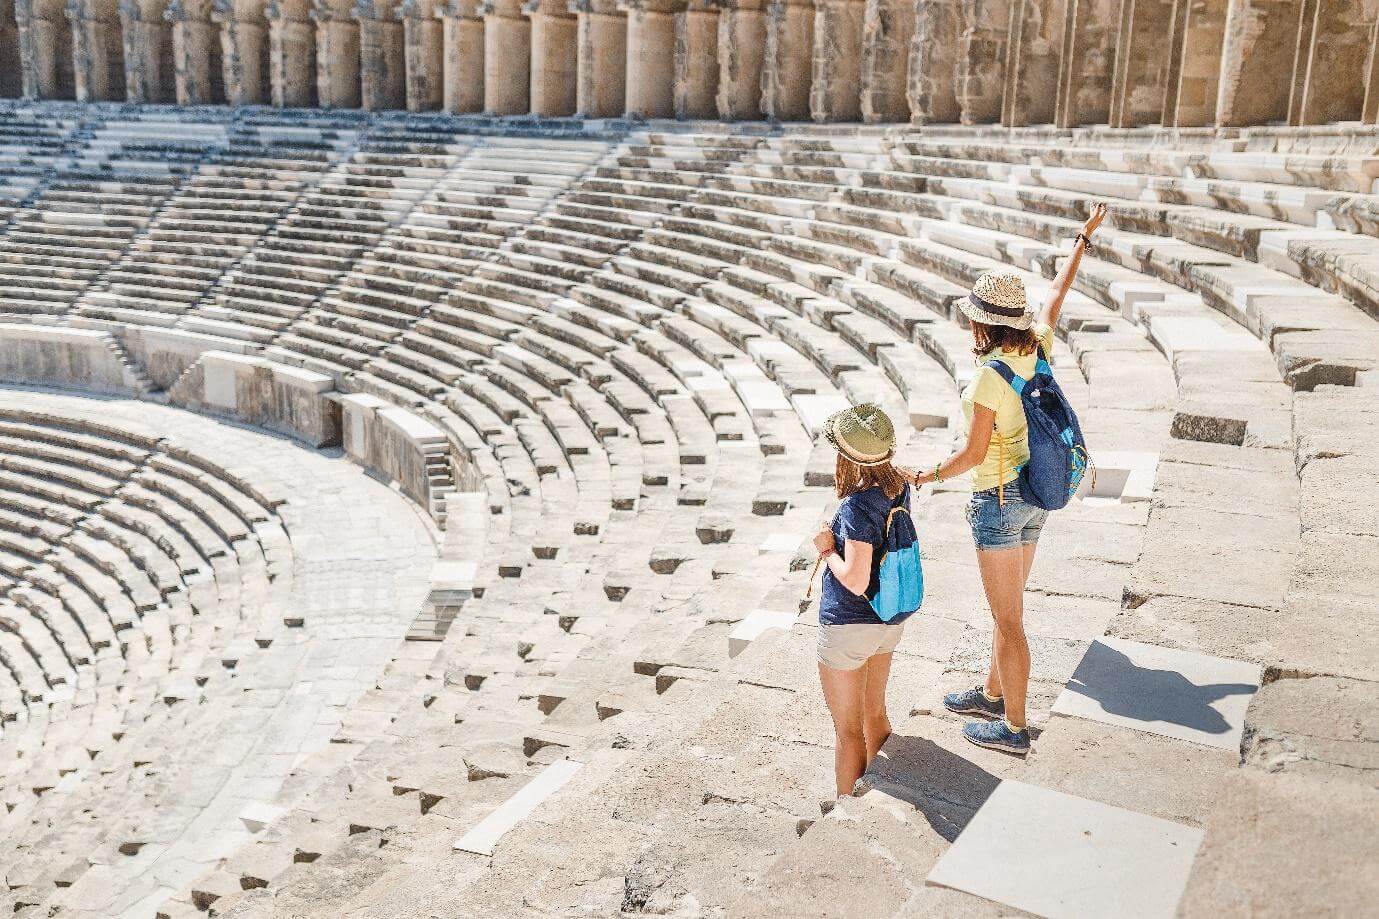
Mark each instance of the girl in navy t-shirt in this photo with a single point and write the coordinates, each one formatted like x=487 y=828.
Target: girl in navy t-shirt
x=855 y=645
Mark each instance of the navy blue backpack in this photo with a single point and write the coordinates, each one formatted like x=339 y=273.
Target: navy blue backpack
x=1058 y=458
x=899 y=575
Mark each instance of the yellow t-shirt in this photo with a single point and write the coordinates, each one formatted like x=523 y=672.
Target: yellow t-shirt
x=988 y=389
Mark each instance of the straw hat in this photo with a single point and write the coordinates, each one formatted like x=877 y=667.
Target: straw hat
x=998 y=298
x=862 y=433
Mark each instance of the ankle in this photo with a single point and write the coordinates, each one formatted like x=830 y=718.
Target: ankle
x=991 y=697
x=1015 y=728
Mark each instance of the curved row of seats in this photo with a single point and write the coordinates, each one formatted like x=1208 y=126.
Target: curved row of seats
x=131 y=571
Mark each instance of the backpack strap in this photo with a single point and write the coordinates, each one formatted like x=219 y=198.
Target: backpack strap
x=1017 y=382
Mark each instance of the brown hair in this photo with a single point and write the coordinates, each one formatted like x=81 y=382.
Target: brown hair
x=988 y=338
x=851 y=478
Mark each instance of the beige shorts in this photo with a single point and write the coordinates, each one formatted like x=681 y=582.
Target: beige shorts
x=847 y=647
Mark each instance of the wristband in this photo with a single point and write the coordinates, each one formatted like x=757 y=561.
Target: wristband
x=937 y=478
x=827 y=552
x=1086 y=240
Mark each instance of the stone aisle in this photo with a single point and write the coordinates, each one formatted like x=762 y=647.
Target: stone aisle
x=363 y=556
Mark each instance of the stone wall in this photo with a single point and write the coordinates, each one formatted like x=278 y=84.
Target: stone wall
x=71 y=358
x=286 y=400
x=1126 y=63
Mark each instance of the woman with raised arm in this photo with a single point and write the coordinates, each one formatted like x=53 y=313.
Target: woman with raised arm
x=1004 y=527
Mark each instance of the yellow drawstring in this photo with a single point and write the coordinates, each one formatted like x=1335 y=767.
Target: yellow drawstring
x=812 y=575
x=1001 y=470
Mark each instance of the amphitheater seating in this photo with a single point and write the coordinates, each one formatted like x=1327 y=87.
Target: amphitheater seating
x=631 y=341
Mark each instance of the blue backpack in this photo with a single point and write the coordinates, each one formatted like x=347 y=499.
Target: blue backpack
x=899 y=575
x=1058 y=457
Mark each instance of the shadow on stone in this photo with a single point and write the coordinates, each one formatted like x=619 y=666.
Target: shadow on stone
x=947 y=789
x=1121 y=687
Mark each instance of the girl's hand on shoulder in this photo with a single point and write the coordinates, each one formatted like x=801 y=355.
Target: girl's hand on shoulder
x=823 y=540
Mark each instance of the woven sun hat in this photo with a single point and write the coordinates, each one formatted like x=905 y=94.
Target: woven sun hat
x=998 y=298
x=862 y=433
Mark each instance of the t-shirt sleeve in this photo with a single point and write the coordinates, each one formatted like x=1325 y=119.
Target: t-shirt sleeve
x=1045 y=335
x=854 y=522
x=989 y=388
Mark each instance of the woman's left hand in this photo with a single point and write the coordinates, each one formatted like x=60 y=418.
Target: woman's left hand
x=823 y=540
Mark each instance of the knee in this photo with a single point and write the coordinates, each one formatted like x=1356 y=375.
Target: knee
x=850 y=733
x=876 y=723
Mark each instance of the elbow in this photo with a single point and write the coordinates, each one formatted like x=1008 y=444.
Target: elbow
x=856 y=582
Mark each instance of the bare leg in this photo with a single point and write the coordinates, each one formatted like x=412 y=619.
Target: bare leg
x=843 y=691
x=993 y=675
x=1003 y=575
x=876 y=724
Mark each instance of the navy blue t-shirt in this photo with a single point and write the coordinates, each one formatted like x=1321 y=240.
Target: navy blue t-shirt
x=861 y=516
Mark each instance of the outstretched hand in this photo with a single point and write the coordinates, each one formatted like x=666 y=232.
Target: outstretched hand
x=1094 y=220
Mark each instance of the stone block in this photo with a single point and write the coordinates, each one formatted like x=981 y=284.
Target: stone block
x=1069 y=857
x=1170 y=693
x=288 y=400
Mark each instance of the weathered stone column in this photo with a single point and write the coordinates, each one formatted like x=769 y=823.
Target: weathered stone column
x=601 y=40
x=382 y=58
x=696 y=61
x=1033 y=46
x=423 y=55
x=148 y=62
x=554 y=57
x=11 y=85
x=98 y=67
x=1088 y=62
x=933 y=79
x=650 y=76
x=741 y=54
x=1256 y=59
x=1329 y=75
x=788 y=65
x=1194 y=63
x=982 y=59
x=1370 y=115
x=291 y=52
x=243 y=50
x=835 y=89
x=195 y=53
x=45 y=49
x=507 y=58
x=337 y=54
x=1142 y=56
x=888 y=29
x=462 y=56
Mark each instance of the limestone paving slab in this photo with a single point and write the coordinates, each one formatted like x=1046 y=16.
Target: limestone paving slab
x=1065 y=857
x=1172 y=693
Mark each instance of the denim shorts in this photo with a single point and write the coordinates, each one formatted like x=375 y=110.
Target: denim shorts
x=1004 y=527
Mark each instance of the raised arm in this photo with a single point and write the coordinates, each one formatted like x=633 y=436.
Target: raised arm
x=1048 y=314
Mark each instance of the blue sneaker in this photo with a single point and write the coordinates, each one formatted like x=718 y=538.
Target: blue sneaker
x=997 y=735
x=974 y=702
